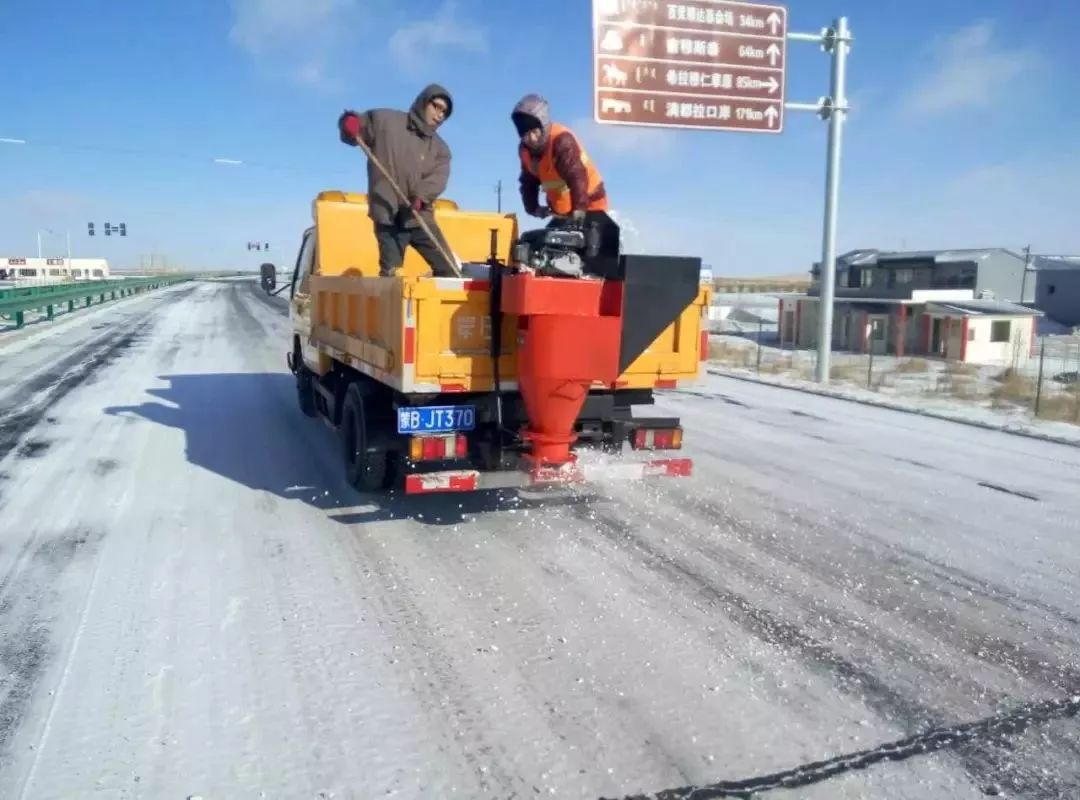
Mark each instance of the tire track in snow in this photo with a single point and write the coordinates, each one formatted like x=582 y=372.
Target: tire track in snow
x=902 y=590
x=277 y=304
x=985 y=762
x=47 y=388
x=29 y=595
x=442 y=690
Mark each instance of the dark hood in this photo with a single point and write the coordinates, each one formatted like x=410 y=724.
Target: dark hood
x=536 y=108
x=416 y=112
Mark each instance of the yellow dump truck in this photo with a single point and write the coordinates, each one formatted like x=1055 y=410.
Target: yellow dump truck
x=420 y=374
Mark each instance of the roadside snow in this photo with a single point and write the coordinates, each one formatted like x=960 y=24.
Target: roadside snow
x=1009 y=420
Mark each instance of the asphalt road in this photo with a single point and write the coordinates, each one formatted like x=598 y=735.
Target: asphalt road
x=193 y=603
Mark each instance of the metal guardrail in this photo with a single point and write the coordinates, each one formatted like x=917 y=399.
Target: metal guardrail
x=16 y=292
x=14 y=303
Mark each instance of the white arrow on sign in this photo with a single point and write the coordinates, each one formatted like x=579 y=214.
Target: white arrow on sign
x=774 y=21
x=774 y=53
x=773 y=85
x=771 y=114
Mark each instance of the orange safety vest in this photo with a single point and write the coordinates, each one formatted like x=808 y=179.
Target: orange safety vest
x=558 y=192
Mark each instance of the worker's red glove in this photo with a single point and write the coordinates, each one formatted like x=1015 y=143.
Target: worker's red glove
x=349 y=127
x=418 y=204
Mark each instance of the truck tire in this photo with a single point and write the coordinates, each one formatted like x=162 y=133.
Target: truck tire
x=365 y=471
x=305 y=390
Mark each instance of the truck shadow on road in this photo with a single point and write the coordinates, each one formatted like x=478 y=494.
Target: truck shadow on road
x=247 y=427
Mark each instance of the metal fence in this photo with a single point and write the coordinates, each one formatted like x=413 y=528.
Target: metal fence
x=18 y=304
x=1044 y=383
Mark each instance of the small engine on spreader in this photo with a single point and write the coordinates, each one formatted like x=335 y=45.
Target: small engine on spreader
x=554 y=252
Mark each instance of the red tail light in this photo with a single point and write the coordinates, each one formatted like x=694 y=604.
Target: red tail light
x=433 y=448
x=658 y=439
x=704 y=345
x=438 y=448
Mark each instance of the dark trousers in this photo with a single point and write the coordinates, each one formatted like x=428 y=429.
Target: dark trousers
x=393 y=239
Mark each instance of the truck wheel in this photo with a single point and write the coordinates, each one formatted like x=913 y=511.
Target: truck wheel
x=365 y=471
x=305 y=390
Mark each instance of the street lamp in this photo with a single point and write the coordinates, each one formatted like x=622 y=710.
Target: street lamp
x=52 y=232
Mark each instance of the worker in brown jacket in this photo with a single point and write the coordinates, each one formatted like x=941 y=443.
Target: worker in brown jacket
x=417 y=158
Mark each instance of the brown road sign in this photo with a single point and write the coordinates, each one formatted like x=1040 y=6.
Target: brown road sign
x=625 y=73
x=722 y=56
x=689 y=47
x=686 y=111
x=707 y=15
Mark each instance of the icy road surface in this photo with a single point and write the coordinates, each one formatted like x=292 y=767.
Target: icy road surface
x=192 y=603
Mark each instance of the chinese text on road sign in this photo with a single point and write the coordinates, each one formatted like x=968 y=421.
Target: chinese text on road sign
x=690 y=64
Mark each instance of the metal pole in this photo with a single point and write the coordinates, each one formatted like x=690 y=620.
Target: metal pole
x=840 y=36
x=69 y=246
x=39 y=244
x=806 y=37
x=760 y=334
x=1023 y=278
x=1038 y=385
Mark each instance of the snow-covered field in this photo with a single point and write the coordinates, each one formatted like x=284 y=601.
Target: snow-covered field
x=193 y=603
x=996 y=394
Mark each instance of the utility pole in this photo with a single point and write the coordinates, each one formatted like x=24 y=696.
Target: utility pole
x=498 y=193
x=1023 y=278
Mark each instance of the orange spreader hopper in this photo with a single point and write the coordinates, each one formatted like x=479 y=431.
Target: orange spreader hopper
x=569 y=338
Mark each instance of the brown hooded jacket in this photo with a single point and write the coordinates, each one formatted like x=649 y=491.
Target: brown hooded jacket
x=413 y=153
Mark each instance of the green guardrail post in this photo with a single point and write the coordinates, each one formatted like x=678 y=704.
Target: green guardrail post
x=19 y=319
x=49 y=311
x=71 y=306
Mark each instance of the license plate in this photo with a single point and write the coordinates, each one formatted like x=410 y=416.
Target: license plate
x=436 y=419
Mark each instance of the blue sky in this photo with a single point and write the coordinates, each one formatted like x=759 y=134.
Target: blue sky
x=963 y=130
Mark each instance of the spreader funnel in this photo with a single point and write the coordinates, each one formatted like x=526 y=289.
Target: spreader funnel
x=568 y=338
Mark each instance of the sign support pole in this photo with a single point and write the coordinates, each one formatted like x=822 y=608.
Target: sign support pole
x=837 y=40
x=834 y=108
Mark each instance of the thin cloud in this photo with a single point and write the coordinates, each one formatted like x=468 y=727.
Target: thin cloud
x=414 y=45
x=294 y=38
x=971 y=70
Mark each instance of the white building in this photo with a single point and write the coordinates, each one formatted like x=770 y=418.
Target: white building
x=52 y=270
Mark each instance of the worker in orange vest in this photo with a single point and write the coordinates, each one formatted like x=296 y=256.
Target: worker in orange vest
x=553 y=159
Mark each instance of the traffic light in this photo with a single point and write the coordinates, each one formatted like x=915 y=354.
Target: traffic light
x=90 y=225
x=123 y=229
x=108 y=229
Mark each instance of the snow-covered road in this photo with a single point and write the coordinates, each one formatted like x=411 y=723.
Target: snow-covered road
x=193 y=603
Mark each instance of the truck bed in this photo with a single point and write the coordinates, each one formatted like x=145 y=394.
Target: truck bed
x=432 y=335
